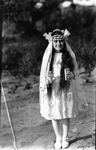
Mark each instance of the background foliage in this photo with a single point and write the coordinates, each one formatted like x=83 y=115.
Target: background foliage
x=23 y=43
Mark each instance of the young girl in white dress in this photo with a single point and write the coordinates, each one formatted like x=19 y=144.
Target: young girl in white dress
x=58 y=90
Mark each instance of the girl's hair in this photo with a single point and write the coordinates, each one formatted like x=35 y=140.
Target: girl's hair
x=57 y=32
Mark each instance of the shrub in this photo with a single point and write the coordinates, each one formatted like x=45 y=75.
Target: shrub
x=25 y=57
x=11 y=57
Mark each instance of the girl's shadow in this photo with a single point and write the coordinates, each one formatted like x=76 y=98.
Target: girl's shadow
x=82 y=138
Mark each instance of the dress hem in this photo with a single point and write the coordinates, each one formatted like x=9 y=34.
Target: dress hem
x=54 y=118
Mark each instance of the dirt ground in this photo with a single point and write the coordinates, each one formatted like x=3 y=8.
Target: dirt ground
x=34 y=132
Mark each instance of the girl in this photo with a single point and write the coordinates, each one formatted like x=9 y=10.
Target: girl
x=58 y=91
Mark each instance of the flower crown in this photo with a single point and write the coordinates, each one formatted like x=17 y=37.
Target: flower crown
x=61 y=34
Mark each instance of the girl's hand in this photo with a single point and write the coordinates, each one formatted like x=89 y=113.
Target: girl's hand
x=69 y=75
x=50 y=78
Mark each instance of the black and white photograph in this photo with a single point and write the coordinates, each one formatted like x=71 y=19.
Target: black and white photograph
x=48 y=74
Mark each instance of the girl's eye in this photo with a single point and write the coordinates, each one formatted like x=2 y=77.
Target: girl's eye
x=55 y=41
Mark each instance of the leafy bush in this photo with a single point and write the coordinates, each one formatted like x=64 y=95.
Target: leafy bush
x=11 y=57
x=24 y=57
x=20 y=13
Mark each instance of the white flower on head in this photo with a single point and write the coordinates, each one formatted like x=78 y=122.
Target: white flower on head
x=48 y=36
x=66 y=33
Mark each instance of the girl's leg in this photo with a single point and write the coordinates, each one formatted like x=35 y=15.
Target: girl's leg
x=56 y=127
x=65 y=125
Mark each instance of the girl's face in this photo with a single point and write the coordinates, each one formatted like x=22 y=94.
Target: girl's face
x=58 y=44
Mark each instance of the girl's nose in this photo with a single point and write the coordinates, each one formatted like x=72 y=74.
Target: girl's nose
x=58 y=42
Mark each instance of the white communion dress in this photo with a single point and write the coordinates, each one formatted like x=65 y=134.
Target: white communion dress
x=63 y=101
